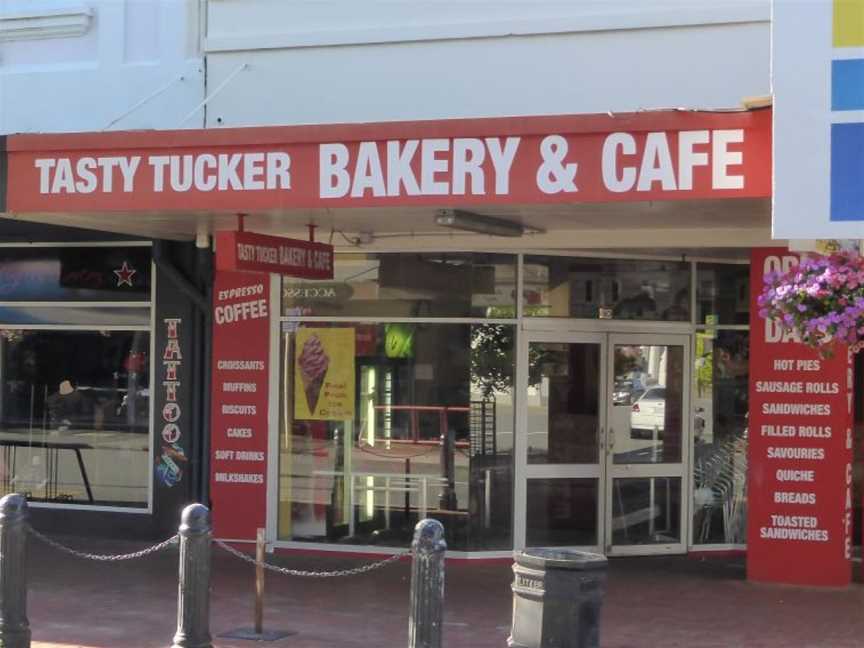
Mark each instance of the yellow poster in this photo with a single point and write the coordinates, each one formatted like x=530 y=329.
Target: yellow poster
x=324 y=374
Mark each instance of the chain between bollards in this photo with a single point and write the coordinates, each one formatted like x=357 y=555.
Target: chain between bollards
x=426 y=615
x=193 y=593
x=14 y=626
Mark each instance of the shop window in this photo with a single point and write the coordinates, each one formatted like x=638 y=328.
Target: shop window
x=620 y=289
x=384 y=424
x=720 y=437
x=408 y=285
x=74 y=416
x=75 y=386
x=722 y=293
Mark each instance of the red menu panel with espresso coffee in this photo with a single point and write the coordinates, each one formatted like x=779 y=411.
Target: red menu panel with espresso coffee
x=800 y=451
x=241 y=348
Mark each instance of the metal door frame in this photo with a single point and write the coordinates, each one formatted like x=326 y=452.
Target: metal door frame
x=672 y=470
x=526 y=471
x=606 y=334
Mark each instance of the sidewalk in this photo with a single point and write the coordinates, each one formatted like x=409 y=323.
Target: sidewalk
x=652 y=602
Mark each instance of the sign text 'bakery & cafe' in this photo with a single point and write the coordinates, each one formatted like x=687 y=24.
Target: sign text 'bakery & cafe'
x=659 y=155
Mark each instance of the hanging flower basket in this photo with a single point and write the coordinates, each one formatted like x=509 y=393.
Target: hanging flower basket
x=821 y=301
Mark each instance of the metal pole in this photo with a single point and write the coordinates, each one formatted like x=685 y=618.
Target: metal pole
x=259 y=582
x=14 y=626
x=426 y=613
x=193 y=593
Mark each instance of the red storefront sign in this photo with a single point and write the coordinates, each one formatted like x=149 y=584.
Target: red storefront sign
x=250 y=252
x=662 y=155
x=800 y=452
x=241 y=349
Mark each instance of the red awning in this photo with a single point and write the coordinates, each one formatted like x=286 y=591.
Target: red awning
x=635 y=157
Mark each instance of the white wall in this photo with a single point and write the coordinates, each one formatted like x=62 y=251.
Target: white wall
x=73 y=65
x=296 y=61
x=69 y=65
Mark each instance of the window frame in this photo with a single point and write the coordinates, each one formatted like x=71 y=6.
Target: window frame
x=148 y=328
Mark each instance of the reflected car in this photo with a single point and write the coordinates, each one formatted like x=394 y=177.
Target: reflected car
x=648 y=414
x=625 y=393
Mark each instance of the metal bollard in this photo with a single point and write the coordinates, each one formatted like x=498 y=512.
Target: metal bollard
x=426 y=614
x=14 y=626
x=193 y=593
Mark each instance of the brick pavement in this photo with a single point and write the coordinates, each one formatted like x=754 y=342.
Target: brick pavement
x=652 y=602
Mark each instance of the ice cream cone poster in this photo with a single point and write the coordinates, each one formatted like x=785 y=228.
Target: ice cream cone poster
x=324 y=374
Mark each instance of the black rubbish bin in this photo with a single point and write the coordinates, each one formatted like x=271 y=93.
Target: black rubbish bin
x=557 y=596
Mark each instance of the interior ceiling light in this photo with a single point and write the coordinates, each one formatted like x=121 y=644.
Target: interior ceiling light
x=471 y=222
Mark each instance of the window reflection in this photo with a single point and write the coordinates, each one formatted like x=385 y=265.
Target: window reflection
x=646 y=511
x=425 y=430
x=74 y=416
x=563 y=403
x=409 y=285
x=720 y=437
x=722 y=293
x=592 y=288
x=562 y=512
x=647 y=423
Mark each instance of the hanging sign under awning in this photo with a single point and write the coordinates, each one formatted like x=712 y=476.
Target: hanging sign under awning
x=248 y=252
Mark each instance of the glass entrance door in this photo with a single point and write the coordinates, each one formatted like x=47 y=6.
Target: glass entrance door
x=646 y=442
x=560 y=499
x=601 y=448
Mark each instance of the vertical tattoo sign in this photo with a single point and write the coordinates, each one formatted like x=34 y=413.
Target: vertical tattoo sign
x=172 y=454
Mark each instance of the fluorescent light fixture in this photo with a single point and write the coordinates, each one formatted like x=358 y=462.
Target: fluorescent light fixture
x=470 y=222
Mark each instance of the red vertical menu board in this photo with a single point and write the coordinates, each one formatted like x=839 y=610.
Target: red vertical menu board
x=800 y=451
x=241 y=348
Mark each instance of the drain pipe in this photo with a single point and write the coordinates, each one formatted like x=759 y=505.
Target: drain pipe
x=205 y=274
x=200 y=297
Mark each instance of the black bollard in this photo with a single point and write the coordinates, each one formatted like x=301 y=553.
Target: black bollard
x=14 y=626
x=193 y=594
x=427 y=585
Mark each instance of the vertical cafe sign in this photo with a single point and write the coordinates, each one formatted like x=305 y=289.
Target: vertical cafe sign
x=241 y=348
x=800 y=451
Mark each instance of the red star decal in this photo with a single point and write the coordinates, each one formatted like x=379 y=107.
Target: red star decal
x=125 y=274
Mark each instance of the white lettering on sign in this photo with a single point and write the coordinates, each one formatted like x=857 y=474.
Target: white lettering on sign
x=285 y=255
x=794 y=527
x=444 y=168
x=247 y=310
x=847 y=514
x=813 y=454
x=240 y=365
x=800 y=431
x=247 y=410
x=239 y=455
x=801 y=409
x=792 y=475
x=239 y=478
x=784 y=497
x=172 y=359
x=242 y=291
x=223 y=172
x=655 y=166
x=254 y=171
x=244 y=387
x=58 y=175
